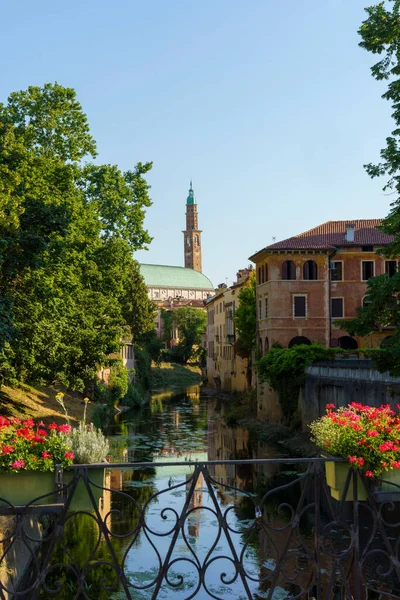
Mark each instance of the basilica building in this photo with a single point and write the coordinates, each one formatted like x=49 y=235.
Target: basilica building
x=171 y=287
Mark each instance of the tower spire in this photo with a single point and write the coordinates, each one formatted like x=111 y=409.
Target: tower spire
x=192 y=234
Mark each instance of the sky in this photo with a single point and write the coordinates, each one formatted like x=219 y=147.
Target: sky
x=268 y=105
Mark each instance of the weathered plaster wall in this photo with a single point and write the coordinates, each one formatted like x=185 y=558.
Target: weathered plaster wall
x=340 y=382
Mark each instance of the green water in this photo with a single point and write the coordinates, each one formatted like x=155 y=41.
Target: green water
x=145 y=502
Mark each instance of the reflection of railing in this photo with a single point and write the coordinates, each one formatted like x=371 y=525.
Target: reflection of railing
x=309 y=545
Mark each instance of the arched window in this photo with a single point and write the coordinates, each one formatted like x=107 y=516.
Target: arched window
x=266 y=346
x=196 y=240
x=187 y=241
x=260 y=346
x=259 y=275
x=288 y=270
x=262 y=274
x=310 y=271
x=348 y=343
x=266 y=272
x=299 y=340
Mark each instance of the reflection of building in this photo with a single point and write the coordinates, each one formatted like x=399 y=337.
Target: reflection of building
x=196 y=502
x=306 y=282
x=224 y=366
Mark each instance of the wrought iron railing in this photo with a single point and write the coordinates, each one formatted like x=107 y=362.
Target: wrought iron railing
x=90 y=540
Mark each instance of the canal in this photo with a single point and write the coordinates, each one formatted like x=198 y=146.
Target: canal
x=178 y=428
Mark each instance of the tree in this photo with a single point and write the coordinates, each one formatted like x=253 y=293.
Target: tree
x=246 y=322
x=380 y=34
x=69 y=286
x=191 y=324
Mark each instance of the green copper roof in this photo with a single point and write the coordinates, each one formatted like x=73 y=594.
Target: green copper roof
x=174 y=277
x=191 y=199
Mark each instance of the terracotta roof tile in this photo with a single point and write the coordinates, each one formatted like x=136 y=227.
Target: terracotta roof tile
x=331 y=235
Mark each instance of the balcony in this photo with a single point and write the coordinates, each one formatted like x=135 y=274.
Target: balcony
x=295 y=540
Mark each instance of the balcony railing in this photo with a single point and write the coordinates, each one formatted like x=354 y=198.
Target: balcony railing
x=291 y=540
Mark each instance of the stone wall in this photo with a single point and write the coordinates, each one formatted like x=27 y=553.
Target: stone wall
x=343 y=381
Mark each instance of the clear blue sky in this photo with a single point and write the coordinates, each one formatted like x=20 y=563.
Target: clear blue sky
x=268 y=105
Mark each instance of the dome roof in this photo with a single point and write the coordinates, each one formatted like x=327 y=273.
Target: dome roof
x=174 y=277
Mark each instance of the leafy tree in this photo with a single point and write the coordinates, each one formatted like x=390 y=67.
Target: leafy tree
x=380 y=34
x=69 y=287
x=191 y=324
x=246 y=323
x=246 y=316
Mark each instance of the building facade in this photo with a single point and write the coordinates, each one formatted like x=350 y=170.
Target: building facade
x=307 y=282
x=225 y=368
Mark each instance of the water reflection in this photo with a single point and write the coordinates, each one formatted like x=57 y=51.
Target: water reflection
x=174 y=429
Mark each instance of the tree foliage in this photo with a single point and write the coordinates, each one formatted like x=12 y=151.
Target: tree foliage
x=69 y=286
x=246 y=317
x=191 y=325
x=380 y=34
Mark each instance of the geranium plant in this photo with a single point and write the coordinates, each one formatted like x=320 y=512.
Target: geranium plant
x=26 y=445
x=368 y=437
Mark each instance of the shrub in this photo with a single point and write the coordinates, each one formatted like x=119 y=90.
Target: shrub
x=88 y=444
x=134 y=396
x=118 y=382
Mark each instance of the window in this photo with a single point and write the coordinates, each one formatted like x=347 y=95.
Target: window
x=259 y=275
x=187 y=241
x=262 y=274
x=310 y=271
x=266 y=307
x=299 y=306
x=366 y=301
x=196 y=240
x=337 y=271
x=266 y=272
x=367 y=269
x=266 y=345
x=367 y=248
x=259 y=309
x=337 y=308
x=288 y=270
x=390 y=267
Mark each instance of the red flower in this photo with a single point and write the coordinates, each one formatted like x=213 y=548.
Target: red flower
x=29 y=423
x=69 y=455
x=18 y=464
x=7 y=449
x=41 y=424
x=53 y=426
x=353 y=459
x=46 y=455
x=42 y=432
x=64 y=428
x=328 y=406
x=369 y=474
x=372 y=433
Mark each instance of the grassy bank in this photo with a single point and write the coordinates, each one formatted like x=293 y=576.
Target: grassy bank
x=40 y=403
x=174 y=376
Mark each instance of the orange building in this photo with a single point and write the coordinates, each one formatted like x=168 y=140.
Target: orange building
x=308 y=281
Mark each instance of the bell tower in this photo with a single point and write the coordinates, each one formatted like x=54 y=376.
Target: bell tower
x=192 y=234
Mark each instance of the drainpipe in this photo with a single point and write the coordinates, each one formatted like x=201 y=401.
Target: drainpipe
x=330 y=295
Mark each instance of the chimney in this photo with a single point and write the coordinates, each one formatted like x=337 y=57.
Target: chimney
x=349 y=235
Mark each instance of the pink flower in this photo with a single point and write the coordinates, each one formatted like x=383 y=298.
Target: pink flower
x=353 y=459
x=18 y=464
x=69 y=455
x=369 y=474
x=53 y=426
x=42 y=432
x=328 y=406
x=29 y=423
x=41 y=424
x=46 y=455
x=64 y=428
x=372 y=433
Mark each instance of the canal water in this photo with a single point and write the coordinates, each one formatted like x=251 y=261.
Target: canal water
x=179 y=428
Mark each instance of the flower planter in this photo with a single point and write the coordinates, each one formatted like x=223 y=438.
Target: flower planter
x=81 y=499
x=390 y=477
x=336 y=476
x=25 y=486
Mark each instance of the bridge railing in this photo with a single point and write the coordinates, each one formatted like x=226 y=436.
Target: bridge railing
x=264 y=528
